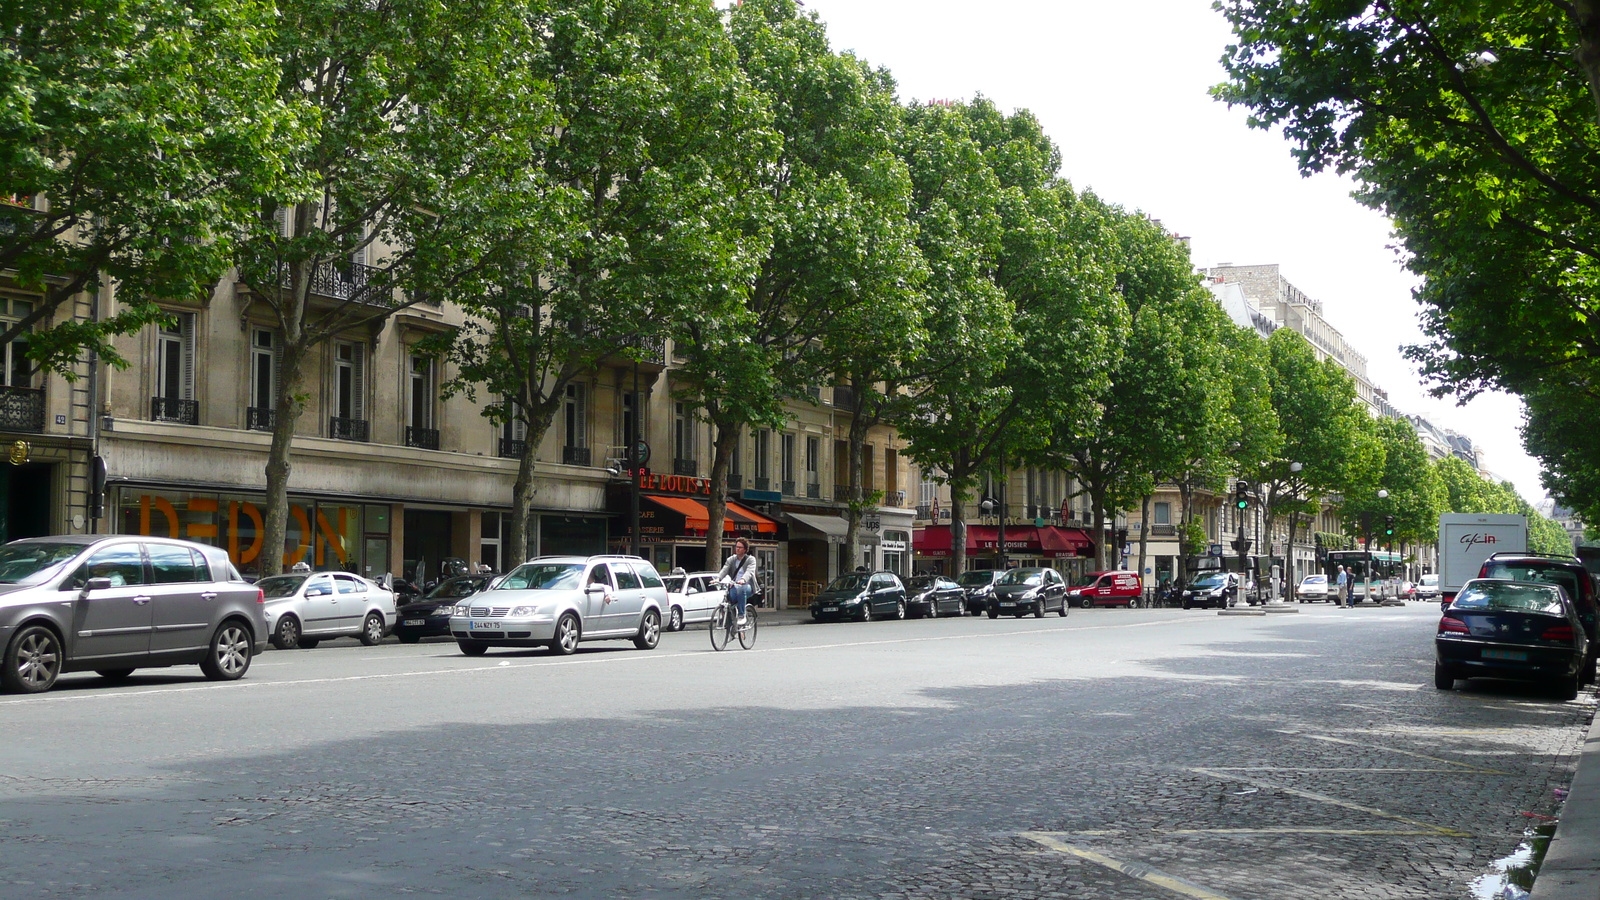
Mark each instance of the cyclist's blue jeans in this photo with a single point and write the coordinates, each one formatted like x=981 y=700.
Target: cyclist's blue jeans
x=739 y=594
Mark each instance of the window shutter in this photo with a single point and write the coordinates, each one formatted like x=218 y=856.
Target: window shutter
x=581 y=439
x=281 y=221
x=358 y=366
x=186 y=329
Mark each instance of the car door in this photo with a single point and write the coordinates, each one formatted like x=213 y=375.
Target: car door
x=708 y=594
x=184 y=599
x=627 y=602
x=350 y=603
x=595 y=604
x=111 y=625
x=319 y=605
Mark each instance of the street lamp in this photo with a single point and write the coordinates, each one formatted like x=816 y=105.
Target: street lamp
x=992 y=505
x=1288 y=548
x=1367 y=589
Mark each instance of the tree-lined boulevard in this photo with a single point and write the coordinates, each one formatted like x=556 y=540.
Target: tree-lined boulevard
x=1112 y=754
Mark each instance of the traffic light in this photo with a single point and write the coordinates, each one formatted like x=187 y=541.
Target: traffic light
x=1388 y=526
x=1241 y=495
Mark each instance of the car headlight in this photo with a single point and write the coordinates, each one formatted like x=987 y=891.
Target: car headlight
x=520 y=611
x=859 y=598
x=461 y=611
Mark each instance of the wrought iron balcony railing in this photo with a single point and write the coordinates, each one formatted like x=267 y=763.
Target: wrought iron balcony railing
x=343 y=280
x=347 y=429
x=169 y=409
x=682 y=466
x=423 y=438
x=260 y=418
x=788 y=488
x=22 y=409
x=813 y=490
x=763 y=483
x=575 y=456
x=512 y=449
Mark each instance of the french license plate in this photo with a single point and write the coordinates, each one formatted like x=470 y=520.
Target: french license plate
x=415 y=622
x=1510 y=655
x=483 y=626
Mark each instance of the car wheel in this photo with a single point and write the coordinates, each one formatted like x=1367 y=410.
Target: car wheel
x=32 y=661
x=409 y=638
x=649 y=631
x=309 y=643
x=994 y=613
x=900 y=609
x=473 y=648
x=1443 y=679
x=1567 y=688
x=568 y=633
x=114 y=674
x=1064 y=604
x=287 y=635
x=372 y=630
x=1589 y=672
x=933 y=608
x=228 y=657
x=866 y=610
x=961 y=607
x=1038 y=608
x=675 y=619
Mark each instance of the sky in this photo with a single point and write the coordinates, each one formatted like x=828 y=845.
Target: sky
x=1122 y=88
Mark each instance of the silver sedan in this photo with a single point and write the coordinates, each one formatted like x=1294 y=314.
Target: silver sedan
x=304 y=608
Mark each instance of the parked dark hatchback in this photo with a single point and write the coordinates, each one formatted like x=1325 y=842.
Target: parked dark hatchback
x=979 y=585
x=1023 y=591
x=1518 y=630
x=861 y=595
x=1565 y=571
x=932 y=596
x=430 y=616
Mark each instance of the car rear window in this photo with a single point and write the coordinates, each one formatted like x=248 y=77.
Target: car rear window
x=647 y=574
x=1509 y=596
x=1543 y=573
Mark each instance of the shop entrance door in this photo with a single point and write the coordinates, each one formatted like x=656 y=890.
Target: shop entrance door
x=427 y=542
x=24 y=501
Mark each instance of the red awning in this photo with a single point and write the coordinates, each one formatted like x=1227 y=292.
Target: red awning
x=1048 y=541
x=1058 y=541
x=762 y=524
x=695 y=515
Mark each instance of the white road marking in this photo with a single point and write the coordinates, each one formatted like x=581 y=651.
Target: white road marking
x=1133 y=870
x=1333 y=801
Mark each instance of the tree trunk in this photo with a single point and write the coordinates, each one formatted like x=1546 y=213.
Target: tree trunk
x=857 y=444
x=1101 y=553
x=1144 y=533
x=1185 y=519
x=523 y=490
x=717 y=504
x=958 y=531
x=286 y=413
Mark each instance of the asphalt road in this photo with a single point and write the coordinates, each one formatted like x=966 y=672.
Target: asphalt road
x=1111 y=754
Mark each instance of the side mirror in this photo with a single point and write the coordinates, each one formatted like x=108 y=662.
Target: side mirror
x=96 y=584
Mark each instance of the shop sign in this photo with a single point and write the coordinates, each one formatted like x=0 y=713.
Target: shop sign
x=317 y=531
x=673 y=484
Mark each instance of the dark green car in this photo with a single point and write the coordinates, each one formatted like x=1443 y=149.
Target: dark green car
x=861 y=595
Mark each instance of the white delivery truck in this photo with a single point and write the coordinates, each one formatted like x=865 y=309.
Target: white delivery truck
x=1467 y=539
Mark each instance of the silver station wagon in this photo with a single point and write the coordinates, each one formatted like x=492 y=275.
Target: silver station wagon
x=115 y=603
x=557 y=601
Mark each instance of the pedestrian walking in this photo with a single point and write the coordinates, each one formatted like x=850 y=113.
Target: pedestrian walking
x=1341 y=586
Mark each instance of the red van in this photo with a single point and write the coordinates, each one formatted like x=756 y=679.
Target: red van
x=1119 y=588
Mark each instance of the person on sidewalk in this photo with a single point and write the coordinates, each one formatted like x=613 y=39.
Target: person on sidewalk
x=1341 y=585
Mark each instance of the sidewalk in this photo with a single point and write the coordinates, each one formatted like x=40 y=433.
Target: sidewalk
x=1571 y=868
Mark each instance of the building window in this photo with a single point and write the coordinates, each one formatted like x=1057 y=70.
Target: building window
x=513 y=431
x=683 y=442
x=1162 y=514
x=14 y=368
x=349 y=379
x=788 y=462
x=630 y=420
x=174 y=388
x=763 y=460
x=574 y=426
x=260 y=411
x=422 y=393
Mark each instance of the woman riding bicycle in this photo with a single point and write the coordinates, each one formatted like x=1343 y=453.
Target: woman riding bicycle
x=739 y=573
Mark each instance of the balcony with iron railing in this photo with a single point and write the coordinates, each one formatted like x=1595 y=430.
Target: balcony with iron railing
x=813 y=490
x=422 y=438
x=844 y=396
x=347 y=429
x=787 y=488
x=685 y=466
x=260 y=418
x=762 y=483
x=339 y=280
x=575 y=456
x=171 y=409
x=22 y=409
x=512 y=449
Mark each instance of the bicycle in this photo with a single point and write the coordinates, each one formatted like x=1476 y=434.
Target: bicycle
x=725 y=625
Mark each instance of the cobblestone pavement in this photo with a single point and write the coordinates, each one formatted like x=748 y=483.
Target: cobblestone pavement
x=1114 y=754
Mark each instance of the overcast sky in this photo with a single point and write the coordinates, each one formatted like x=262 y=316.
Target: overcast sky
x=1122 y=88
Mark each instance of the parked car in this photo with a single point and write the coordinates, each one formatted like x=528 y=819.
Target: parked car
x=1569 y=574
x=111 y=604
x=861 y=595
x=1519 y=630
x=430 y=616
x=305 y=608
x=1021 y=591
x=979 y=585
x=558 y=601
x=932 y=596
x=691 y=597
x=1428 y=587
x=1119 y=588
x=1211 y=589
x=1313 y=587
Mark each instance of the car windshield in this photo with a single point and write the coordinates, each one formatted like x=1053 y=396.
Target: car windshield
x=1315 y=579
x=275 y=586
x=32 y=562
x=1430 y=581
x=1510 y=596
x=1213 y=580
x=1086 y=580
x=674 y=583
x=976 y=578
x=920 y=582
x=456 y=588
x=855 y=581
x=537 y=576
x=1023 y=576
x=1543 y=573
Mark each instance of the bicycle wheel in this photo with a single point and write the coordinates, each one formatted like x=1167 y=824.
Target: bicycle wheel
x=721 y=631
x=747 y=634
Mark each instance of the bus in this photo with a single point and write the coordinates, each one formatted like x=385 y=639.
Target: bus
x=1382 y=569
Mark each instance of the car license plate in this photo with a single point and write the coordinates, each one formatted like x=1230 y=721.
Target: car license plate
x=414 y=622
x=483 y=626
x=1511 y=655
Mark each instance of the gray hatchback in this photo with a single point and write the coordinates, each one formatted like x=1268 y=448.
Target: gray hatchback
x=114 y=603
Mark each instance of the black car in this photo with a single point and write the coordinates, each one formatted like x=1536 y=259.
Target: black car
x=932 y=596
x=1211 y=589
x=1518 y=630
x=430 y=616
x=861 y=595
x=979 y=585
x=1022 y=591
x=1567 y=572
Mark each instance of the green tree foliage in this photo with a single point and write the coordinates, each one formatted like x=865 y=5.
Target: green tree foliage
x=620 y=214
x=134 y=138
x=1472 y=125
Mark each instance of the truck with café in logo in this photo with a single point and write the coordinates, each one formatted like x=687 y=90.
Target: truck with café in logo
x=1467 y=539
